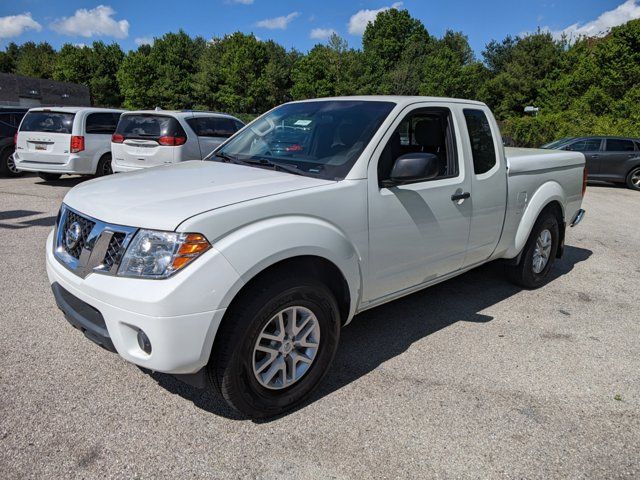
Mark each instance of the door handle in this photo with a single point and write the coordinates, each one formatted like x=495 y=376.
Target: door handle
x=460 y=196
x=595 y=155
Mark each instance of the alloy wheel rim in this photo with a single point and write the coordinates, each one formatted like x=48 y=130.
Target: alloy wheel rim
x=286 y=348
x=11 y=164
x=542 y=251
x=635 y=178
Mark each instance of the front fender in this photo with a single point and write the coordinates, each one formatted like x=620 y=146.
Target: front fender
x=256 y=246
x=545 y=194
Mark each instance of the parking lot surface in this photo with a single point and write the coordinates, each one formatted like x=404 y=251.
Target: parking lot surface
x=473 y=378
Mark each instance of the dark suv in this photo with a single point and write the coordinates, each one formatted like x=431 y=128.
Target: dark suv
x=10 y=118
x=612 y=159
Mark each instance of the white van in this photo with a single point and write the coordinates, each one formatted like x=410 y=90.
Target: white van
x=148 y=138
x=54 y=141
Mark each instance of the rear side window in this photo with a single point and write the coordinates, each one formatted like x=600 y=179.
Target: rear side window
x=618 y=145
x=149 y=127
x=53 y=122
x=589 y=145
x=213 y=126
x=104 y=122
x=482 y=149
x=7 y=129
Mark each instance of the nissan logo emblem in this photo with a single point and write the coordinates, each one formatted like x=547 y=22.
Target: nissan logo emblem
x=72 y=236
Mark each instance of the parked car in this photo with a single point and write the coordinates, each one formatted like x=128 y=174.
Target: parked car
x=66 y=140
x=557 y=143
x=611 y=159
x=10 y=118
x=239 y=273
x=157 y=137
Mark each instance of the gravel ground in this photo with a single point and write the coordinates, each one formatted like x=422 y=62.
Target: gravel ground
x=473 y=378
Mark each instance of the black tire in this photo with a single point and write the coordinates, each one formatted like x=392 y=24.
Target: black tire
x=231 y=365
x=49 y=177
x=633 y=179
x=524 y=274
x=7 y=166
x=104 y=166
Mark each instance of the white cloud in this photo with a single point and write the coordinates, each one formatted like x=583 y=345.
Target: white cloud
x=15 y=25
x=629 y=10
x=321 y=33
x=359 y=20
x=87 y=23
x=278 y=23
x=144 y=41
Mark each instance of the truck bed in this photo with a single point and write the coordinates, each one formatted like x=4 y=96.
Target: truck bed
x=523 y=160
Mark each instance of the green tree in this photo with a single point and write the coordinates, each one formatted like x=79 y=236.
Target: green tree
x=9 y=58
x=36 y=60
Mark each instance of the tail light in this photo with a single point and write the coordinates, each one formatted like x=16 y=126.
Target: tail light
x=172 y=141
x=585 y=174
x=15 y=138
x=77 y=143
x=117 y=138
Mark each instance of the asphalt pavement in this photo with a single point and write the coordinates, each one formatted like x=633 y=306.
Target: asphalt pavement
x=473 y=378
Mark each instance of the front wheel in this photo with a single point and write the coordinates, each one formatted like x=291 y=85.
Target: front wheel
x=633 y=179
x=539 y=253
x=49 y=177
x=275 y=345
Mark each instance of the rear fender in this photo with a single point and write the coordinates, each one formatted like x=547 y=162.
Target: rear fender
x=543 y=196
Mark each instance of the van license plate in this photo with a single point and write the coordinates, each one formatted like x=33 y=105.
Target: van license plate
x=40 y=147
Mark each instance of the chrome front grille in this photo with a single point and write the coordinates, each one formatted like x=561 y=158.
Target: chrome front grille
x=84 y=227
x=86 y=245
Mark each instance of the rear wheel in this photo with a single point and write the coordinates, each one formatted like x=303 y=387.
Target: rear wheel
x=8 y=165
x=633 y=179
x=539 y=253
x=276 y=345
x=104 y=166
x=49 y=177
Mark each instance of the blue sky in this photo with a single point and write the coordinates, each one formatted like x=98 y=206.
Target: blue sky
x=293 y=23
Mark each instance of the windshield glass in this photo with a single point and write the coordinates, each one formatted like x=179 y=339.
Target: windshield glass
x=318 y=138
x=54 y=122
x=556 y=143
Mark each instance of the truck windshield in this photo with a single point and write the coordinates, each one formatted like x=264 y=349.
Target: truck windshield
x=317 y=138
x=53 y=122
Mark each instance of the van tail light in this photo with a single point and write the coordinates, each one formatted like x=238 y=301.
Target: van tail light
x=585 y=174
x=117 y=138
x=77 y=143
x=172 y=141
x=15 y=139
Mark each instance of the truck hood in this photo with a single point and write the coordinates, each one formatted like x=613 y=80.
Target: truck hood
x=163 y=197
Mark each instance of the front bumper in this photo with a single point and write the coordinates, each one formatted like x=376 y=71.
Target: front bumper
x=70 y=165
x=180 y=315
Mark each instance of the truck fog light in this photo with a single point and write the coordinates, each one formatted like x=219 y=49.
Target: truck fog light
x=144 y=343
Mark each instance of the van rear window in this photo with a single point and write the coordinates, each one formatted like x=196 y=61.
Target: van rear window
x=54 y=122
x=149 y=127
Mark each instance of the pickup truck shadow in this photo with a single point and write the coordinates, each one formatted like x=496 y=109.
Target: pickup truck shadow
x=379 y=334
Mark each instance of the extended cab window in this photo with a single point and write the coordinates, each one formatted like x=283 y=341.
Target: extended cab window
x=102 y=123
x=51 y=122
x=618 y=145
x=213 y=126
x=482 y=148
x=428 y=130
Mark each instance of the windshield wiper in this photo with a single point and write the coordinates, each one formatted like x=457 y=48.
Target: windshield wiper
x=284 y=167
x=229 y=159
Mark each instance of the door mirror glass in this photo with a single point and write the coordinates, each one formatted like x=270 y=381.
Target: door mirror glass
x=415 y=167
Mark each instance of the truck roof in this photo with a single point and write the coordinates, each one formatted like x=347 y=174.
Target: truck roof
x=399 y=99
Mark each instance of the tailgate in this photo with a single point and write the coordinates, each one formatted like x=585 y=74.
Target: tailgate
x=45 y=136
x=143 y=153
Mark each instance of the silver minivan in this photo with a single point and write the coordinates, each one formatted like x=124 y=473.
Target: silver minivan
x=147 y=138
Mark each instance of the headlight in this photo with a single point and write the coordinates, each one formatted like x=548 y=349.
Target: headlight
x=154 y=254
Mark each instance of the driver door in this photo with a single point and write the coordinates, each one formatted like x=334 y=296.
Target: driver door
x=417 y=231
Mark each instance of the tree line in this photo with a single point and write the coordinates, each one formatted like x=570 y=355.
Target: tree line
x=586 y=87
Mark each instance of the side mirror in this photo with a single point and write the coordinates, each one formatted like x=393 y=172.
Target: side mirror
x=415 y=167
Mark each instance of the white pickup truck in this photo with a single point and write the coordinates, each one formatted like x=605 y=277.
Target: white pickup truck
x=238 y=272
